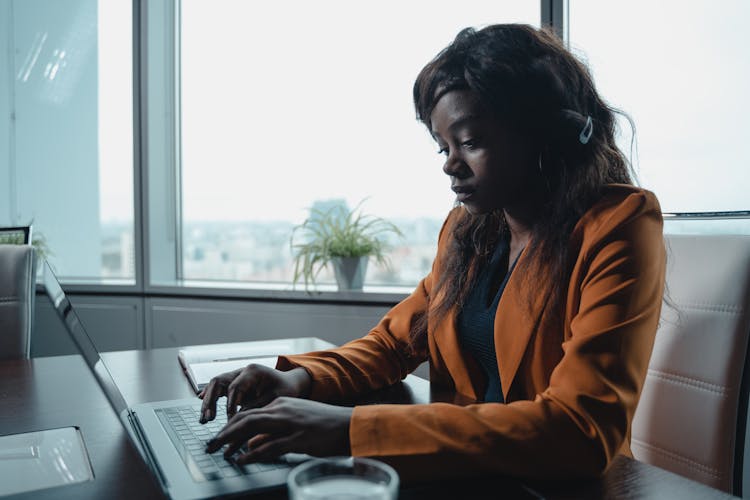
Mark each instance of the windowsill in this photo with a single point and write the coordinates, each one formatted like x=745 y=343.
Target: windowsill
x=282 y=292
x=98 y=282
x=693 y=223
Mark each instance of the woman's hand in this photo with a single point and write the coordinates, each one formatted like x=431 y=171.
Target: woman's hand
x=286 y=425
x=252 y=387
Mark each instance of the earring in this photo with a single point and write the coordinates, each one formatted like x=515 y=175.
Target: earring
x=541 y=172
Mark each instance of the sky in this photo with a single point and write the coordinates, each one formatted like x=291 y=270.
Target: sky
x=681 y=70
x=279 y=111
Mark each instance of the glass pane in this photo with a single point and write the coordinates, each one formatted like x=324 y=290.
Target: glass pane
x=69 y=164
x=300 y=104
x=681 y=70
x=707 y=226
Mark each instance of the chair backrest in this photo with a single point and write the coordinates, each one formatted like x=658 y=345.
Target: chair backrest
x=691 y=417
x=17 y=292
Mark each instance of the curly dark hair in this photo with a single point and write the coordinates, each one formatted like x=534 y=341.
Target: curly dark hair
x=526 y=77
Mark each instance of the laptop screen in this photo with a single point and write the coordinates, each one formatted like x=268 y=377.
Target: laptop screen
x=81 y=339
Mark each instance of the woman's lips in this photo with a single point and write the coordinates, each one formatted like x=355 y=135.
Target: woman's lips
x=462 y=197
x=463 y=193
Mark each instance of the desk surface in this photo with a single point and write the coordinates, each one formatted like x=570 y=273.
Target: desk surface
x=52 y=392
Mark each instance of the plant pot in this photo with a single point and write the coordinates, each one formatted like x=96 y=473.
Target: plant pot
x=350 y=272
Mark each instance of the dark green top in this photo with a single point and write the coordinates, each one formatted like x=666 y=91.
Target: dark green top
x=476 y=321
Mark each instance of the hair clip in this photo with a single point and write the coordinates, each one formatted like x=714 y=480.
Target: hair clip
x=586 y=132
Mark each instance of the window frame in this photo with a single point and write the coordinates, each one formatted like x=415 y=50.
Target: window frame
x=156 y=143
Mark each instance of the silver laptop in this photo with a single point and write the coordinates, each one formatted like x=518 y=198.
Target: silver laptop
x=167 y=433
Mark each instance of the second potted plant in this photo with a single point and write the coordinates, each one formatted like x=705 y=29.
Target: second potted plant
x=344 y=238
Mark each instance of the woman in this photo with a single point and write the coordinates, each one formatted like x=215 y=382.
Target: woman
x=542 y=303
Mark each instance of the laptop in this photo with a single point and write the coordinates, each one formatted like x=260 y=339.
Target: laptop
x=167 y=433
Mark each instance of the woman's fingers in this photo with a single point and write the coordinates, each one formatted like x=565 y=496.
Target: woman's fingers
x=232 y=447
x=258 y=402
x=251 y=389
x=235 y=394
x=243 y=425
x=258 y=440
x=319 y=429
x=269 y=448
x=213 y=391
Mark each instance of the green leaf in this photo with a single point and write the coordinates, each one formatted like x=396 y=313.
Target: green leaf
x=338 y=232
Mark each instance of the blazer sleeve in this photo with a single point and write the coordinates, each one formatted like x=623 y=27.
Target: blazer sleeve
x=380 y=358
x=578 y=424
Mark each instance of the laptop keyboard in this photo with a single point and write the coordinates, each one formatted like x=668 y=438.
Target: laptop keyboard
x=190 y=437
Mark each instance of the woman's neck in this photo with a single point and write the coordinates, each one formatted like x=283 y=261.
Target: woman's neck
x=519 y=226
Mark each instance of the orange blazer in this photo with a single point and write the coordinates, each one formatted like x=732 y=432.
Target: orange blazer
x=570 y=389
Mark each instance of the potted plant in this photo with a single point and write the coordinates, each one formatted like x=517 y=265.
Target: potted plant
x=344 y=238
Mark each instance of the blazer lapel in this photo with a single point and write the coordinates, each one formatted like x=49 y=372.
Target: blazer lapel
x=515 y=322
x=465 y=373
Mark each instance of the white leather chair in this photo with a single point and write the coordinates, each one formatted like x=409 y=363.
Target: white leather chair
x=17 y=291
x=692 y=414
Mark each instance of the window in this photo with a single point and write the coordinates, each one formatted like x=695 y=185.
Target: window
x=254 y=113
x=681 y=70
x=66 y=132
x=296 y=104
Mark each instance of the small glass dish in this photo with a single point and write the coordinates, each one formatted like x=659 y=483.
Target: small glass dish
x=339 y=478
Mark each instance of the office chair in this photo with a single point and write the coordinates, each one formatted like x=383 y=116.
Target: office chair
x=692 y=414
x=17 y=292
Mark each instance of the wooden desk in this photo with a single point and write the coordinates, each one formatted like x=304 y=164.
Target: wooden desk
x=46 y=393
x=54 y=392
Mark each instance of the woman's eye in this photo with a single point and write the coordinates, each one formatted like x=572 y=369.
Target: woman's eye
x=443 y=151
x=469 y=143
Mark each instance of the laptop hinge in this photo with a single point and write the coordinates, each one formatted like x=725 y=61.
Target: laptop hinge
x=146 y=451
